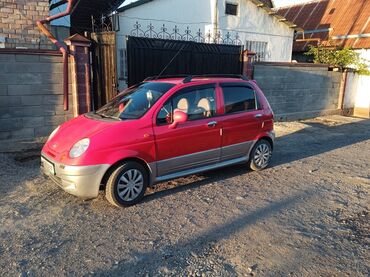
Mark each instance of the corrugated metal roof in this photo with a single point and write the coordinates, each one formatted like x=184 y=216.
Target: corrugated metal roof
x=329 y=20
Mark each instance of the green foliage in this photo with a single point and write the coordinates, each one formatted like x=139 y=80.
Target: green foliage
x=342 y=58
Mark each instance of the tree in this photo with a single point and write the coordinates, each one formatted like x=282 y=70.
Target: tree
x=345 y=58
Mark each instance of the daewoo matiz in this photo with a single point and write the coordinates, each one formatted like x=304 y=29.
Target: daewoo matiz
x=161 y=129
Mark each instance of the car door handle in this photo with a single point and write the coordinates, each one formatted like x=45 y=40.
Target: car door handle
x=212 y=124
x=258 y=115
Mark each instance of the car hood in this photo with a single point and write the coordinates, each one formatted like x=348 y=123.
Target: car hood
x=74 y=130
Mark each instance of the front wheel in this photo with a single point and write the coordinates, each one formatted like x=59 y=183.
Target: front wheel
x=260 y=155
x=127 y=184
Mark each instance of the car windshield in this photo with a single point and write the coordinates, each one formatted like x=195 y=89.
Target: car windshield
x=133 y=102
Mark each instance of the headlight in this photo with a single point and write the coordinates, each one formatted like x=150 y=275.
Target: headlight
x=79 y=148
x=53 y=133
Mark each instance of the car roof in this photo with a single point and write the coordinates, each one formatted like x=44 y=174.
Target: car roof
x=180 y=80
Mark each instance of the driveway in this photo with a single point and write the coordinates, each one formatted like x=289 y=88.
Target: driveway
x=306 y=215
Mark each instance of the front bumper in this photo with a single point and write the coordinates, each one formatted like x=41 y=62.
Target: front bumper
x=81 y=181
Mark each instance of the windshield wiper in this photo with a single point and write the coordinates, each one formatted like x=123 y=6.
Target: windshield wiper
x=108 y=116
x=127 y=116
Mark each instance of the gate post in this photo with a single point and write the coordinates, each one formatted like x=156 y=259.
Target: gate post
x=248 y=60
x=79 y=48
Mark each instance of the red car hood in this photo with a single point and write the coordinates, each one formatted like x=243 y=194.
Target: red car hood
x=74 y=130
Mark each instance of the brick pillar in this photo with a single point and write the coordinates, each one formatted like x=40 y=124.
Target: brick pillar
x=248 y=58
x=79 y=48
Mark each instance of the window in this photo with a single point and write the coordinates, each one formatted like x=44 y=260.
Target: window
x=231 y=9
x=123 y=64
x=239 y=99
x=197 y=103
x=134 y=101
x=165 y=114
x=258 y=47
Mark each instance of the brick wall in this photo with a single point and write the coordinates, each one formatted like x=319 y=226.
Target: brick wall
x=31 y=94
x=17 y=24
x=299 y=91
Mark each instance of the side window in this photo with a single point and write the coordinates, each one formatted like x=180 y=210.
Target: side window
x=239 y=99
x=165 y=114
x=198 y=103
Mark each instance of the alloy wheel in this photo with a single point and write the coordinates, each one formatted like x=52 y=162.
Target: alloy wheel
x=130 y=184
x=262 y=155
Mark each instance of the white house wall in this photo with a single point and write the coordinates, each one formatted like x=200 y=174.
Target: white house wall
x=357 y=94
x=252 y=24
x=365 y=55
x=194 y=14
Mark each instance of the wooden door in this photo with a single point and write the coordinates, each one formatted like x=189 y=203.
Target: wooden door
x=104 y=67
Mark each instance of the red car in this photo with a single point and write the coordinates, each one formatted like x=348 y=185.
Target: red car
x=161 y=129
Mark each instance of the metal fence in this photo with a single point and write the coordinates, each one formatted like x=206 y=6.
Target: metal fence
x=150 y=31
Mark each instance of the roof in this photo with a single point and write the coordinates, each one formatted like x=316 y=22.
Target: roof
x=133 y=5
x=81 y=15
x=339 y=23
x=266 y=5
x=77 y=39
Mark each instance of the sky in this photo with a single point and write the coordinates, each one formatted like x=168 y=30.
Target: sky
x=64 y=21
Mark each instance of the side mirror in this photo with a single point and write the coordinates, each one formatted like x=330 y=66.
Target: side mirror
x=178 y=117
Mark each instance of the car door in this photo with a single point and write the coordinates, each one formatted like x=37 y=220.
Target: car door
x=241 y=122
x=191 y=144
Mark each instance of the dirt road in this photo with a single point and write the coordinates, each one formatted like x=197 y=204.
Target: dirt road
x=306 y=215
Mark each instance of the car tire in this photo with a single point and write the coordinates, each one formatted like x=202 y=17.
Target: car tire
x=260 y=155
x=127 y=184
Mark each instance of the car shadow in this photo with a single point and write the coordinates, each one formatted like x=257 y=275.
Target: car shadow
x=315 y=139
x=206 y=178
x=174 y=256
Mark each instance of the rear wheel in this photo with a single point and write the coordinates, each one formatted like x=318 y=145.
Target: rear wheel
x=260 y=155
x=127 y=184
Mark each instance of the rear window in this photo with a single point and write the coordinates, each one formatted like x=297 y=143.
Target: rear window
x=239 y=99
x=135 y=101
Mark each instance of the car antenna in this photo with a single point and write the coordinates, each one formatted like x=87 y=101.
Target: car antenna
x=173 y=58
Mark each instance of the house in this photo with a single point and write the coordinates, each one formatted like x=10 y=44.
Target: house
x=330 y=23
x=18 y=24
x=251 y=23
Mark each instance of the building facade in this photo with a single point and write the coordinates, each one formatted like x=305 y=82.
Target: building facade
x=18 y=24
x=250 y=23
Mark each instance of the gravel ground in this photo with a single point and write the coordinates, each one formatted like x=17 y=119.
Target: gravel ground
x=306 y=215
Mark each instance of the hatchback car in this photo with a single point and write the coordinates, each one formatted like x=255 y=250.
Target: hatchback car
x=161 y=129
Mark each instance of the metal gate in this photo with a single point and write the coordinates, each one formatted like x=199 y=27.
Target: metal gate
x=104 y=67
x=150 y=56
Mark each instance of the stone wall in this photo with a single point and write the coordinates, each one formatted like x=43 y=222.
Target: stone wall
x=18 y=24
x=31 y=94
x=299 y=91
